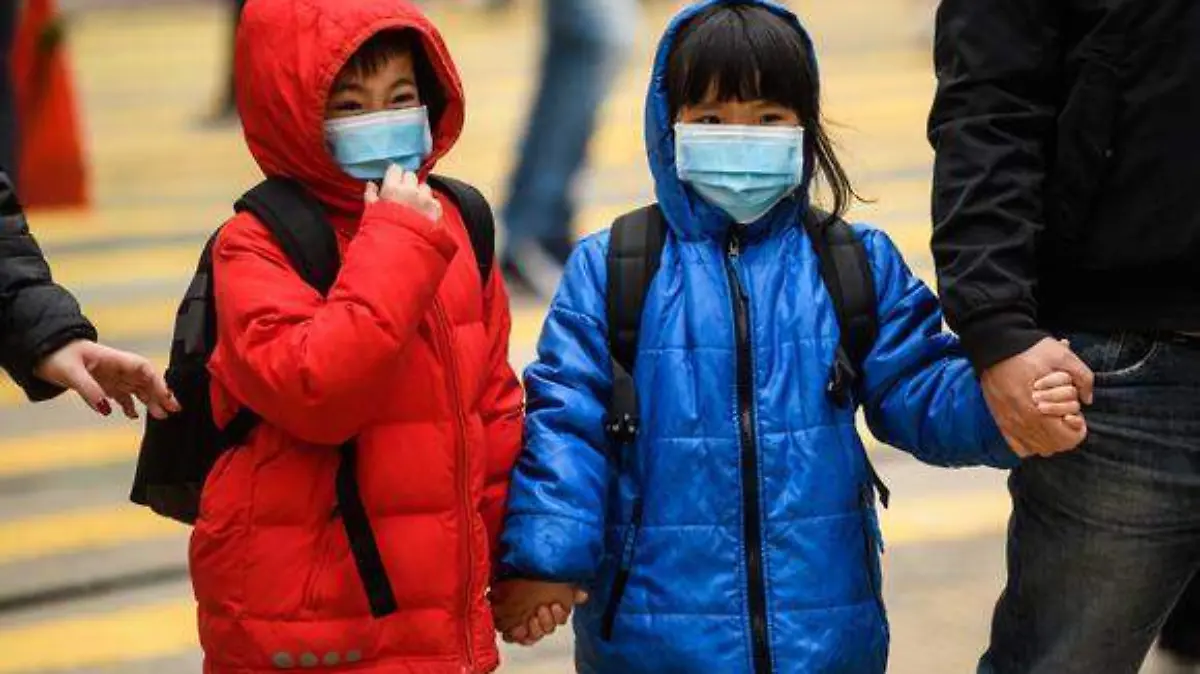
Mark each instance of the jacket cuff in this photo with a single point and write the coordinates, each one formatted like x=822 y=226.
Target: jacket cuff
x=996 y=337
x=37 y=389
x=436 y=234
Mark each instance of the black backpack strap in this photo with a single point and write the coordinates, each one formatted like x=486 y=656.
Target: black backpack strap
x=634 y=254
x=299 y=224
x=363 y=546
x=478 y=217
x=846 y=271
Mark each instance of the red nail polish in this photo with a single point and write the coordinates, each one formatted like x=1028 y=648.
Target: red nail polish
x=105 y=408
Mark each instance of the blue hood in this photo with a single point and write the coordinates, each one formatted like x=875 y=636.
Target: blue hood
x=690 y=217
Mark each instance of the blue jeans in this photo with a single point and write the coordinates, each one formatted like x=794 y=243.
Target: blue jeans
x=586 y=41
x=1103 y=541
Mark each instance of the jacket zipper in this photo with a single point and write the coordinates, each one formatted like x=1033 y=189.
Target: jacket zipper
x=623 y=572
x=750 y=506
x=463 y=474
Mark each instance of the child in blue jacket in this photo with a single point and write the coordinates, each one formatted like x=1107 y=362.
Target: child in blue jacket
x=737 y=533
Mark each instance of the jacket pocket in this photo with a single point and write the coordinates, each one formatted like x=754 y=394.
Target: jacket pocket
x=1086 y=129
x=872 y=546
x=311 y=599
x=613 y=606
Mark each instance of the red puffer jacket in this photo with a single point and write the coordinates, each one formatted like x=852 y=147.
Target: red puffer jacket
x=407 y=354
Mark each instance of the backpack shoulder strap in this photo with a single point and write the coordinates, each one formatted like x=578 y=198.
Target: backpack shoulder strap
x=846 y=271
x=634 y=254
x=299 y=225
x=476 y=214
x=847 y=274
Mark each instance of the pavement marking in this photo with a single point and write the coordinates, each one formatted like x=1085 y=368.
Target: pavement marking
x=949 y=517
x=80 y=529
x=138 y=633
x=24 y=455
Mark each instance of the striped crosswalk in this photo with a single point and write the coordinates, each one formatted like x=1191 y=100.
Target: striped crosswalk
x=163 y=183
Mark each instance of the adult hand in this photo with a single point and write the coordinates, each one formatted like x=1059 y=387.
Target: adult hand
x=1008 y=388
x=98 y=373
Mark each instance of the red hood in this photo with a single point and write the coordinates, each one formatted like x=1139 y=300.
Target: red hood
x=288 y=54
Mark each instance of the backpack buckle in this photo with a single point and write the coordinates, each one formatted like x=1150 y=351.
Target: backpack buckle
x=842 y=379
x=622 y=428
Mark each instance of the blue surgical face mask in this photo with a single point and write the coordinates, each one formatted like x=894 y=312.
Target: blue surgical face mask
x=743 y=170
x=366 y=145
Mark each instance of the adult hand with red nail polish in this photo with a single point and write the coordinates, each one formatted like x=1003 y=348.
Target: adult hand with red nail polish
x=99 y=373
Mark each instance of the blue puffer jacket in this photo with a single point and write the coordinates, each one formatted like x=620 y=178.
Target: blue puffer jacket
x=736 y=543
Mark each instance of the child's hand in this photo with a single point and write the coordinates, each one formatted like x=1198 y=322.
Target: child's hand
x=402 y=187
x=1056 y=396
x=525 y=611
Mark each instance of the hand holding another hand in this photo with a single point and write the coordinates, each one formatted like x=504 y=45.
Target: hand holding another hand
x=526 y=611
x=1035 y=397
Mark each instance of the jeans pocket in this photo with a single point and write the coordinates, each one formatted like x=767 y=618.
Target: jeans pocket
x=1116 y=356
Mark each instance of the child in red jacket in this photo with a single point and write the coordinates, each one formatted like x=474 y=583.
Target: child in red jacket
x=406 y=355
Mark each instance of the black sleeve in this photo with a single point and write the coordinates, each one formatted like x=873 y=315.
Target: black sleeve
x=992 y=126
x=36 y=316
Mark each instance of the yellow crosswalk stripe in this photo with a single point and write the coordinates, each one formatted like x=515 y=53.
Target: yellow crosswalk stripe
x=31 y=454
x=82 y=529
x=128 y=635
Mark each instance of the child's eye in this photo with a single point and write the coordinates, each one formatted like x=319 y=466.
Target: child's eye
x=404 y=100
x=709 y=119
x=347 y=106
x=771 y=118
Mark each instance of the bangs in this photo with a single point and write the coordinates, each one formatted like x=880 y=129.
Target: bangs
x=746 y=53
x=374 y=54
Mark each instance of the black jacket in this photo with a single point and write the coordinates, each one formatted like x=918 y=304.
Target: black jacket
x=36 y=315
x=1067 y=180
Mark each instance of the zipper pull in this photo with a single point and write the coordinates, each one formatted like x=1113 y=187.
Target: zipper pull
x=735 y=244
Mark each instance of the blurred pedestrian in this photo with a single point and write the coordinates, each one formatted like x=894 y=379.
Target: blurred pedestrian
x=47 y=345
x=226 y=110
x=1066 y=206
x=585 y=44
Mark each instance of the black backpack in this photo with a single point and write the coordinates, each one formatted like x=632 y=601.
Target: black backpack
x=634 y=253
x=177 y=453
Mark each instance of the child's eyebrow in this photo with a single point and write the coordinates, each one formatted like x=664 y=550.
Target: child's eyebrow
x=404 y=80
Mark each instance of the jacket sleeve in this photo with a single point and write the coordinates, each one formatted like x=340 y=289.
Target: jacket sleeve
x=503 y=408
x=920 y=393
x=37 y=316
x=309 y=365
x=992 y=126
x=555 y=525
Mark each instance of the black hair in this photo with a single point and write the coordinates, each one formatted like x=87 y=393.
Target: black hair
x=388 y=44
x=746 y=52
